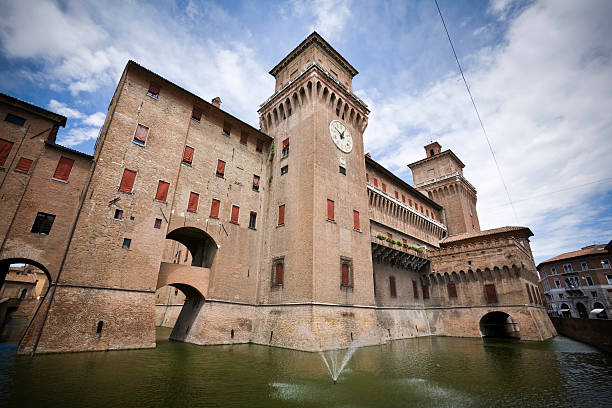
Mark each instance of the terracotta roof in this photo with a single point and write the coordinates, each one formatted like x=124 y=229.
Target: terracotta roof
x=485 y=233
x=588 y=250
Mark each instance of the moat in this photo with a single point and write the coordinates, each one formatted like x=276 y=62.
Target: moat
x=422 y=372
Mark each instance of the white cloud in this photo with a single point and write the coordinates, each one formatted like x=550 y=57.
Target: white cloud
x=75 y=136
x=62 y=109
x=96 y=120
x=330 y=16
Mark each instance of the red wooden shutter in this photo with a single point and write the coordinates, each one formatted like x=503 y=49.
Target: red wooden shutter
x=345 y=274
x=452 y=290
x=410 y=202
x=367 y=178
x=186 y=255
x=403 y=198
x=259 y=146
x=356 y=219
x=235 y=212
x=64 y=166
x=375 y=183
x=196 y=113
x=491 y=293
x=397 y=195
x=529 y=293
x=278 y=277
x=421 y=208
x=415 y=289
x=178 y=257
x=281 y=214
x=24 y=164
x=188 y=154
x=285 y=143
x=384 y=187
x=392 y=286
x=141 y=133
x=330 y=210
x=220 y=167
x=162 y=191
x=154 y=88
x=244 y=137
x=256 y=182
x=214 y=208
x=5 y=149
x=427 y=212
x=425 y=292
x=227 y=128
x=127 y=181
x=192 y=205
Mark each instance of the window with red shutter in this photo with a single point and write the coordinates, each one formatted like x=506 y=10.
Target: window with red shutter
x=23 y=165
x=452 y=290
x=367 y=178
x=529 y=293
x=127 y=181
x=140 y=136
x=375 y=183
x=356 y=220
x=255 y=182
x=162 y=191
x=285 y=148
x=281 y=214
x=214 y=208
x=421 y=208
x=227 y=128
x=403 y=198
x=397 y=195
x=244 y=137
x=196 y=114
x=192 y=205
x=425 y=292
x=415 y=289
x=410 y=202
x=220 y=168
x=259 y=146
x=491 y=293
x=392 y=286
x=345 y=270
x=153 y=91
x=5 y=150
x=330 y=210
x=188 y=155
x=278 y=273
x=234 y=216
x=62 y=171
x=384 y=187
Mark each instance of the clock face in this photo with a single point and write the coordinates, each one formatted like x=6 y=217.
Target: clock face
x=341 y=136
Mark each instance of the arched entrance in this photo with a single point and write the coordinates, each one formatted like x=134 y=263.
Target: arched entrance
x=596 y=311
x=499 y=324
x=565 y=310
x=582 y=311
x=201 y=245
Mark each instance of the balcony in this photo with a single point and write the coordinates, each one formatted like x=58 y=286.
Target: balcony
x=397 y=255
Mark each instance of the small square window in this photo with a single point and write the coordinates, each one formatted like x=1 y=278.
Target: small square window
x=594 y=294
x=259 y=146
x=14 y=119
x=253 y=220
x=43 y=223
x=227 y=128
x=132 y=218
x=118 y=214
x=140 y=136
x=244 y=137
x=284 y=170
x=196 y=114
x=157 y=223
x=342 y=170
x=589 y=280
x=153 y=91
x=126 y=243
x=23 y=165
x=285 y=148
x=584 y=266
x=255 y=182
x=220 y=168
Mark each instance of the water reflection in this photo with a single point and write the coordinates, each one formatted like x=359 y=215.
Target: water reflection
x=428 y=371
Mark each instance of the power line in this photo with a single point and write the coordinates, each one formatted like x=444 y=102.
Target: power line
x=477 y=113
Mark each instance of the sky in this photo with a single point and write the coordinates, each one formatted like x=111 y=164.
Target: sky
x=540 y=73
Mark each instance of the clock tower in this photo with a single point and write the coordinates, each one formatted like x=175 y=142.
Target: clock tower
x=317 y=225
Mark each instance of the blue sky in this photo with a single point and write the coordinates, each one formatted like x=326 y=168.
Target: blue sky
x=540 y=71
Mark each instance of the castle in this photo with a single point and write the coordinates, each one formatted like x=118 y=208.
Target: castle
x=283 y=230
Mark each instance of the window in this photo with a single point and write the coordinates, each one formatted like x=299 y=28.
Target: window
x=609 y=278
x=192 y=205
x=452 y=290
x=157 y=223
x=589 y=280
x=278 y=273
x=234 y=214
x=403 y=198
x=594 y=294
x=188 y=155
x=118 y=214
x=342 y=170
x=396 y=195
x=259 y=146
x=392 y=288
x=255 y=182
x=5 y=150
x=284 y=170
x=281 y=214
x=126 y=243
x=356 y=220
x=220 y=168
x=23 y=165
x=285 y=148
x=384 y=187
x=560 y=295
x=375 y=183
x=42 y=223
x=553 y=271
x=415 y=289
x=162 y=191
x=491 y=293
x=421 y=208
x=605 y=264
x=330 y=210
x=62 y=171
x=557 y=283
x=153 y=91
x=367 y=178
x=345 y=273
x=427 y=212
x=244 y=137
x=214 y=208
x=584 y=266
x=410 y=202
x=253 y=220
x=425 y=291
x=196 y=114
x=567 y=268
x=14 y=119
x=140 y=136
x=127 y=181
x=227 y=128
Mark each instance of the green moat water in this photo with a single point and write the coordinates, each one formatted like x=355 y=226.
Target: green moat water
x=423 y=372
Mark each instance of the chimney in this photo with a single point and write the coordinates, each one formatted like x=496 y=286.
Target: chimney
x=217 y=102
x=433 y=148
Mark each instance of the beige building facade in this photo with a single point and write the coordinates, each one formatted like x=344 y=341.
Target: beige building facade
x=288 y=235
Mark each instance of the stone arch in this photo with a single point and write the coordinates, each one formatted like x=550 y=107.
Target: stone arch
x=440 y=278
x=602 y=314
x=455 y=277
x=471 y=275
x=496 y=273
x=506 y=272
x=302 y=95
x=325 y=94
x=351 y=115
x=275 y=113
x=446 y=277
x=288 y=108
x=194 y=300
x=332 y=99
x=202 y=246
x=338 y=106
x=499 y=324
x=345 y=110
x=295 y=100
x=479 y=275
x=487 y=274
x=462 y=275
x=357 y=119
x=269 y=119
x=582 y=310
x=281 y=112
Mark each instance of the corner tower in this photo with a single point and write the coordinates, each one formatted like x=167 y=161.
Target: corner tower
x=440 y=176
